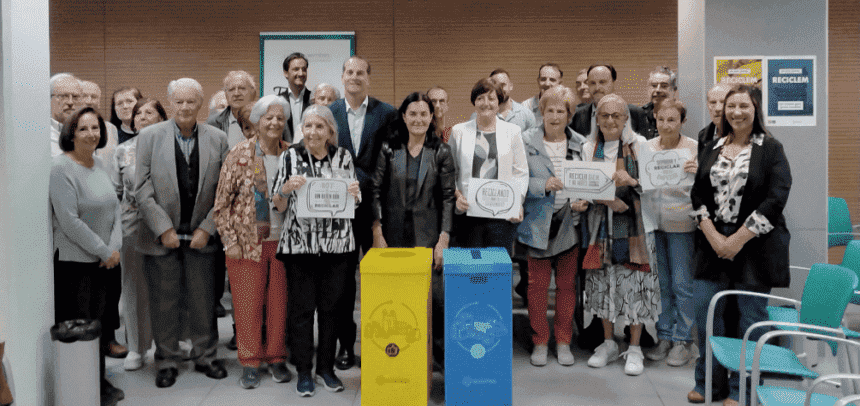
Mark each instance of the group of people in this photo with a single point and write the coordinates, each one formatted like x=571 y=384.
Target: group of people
x=176 y=203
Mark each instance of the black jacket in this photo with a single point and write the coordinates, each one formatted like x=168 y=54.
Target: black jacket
x=706 y=135
x=764 y=260
x=581 y=121
x=434 y=203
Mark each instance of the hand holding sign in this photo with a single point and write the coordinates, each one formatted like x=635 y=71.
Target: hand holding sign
x=490 y=198
x=325 y=198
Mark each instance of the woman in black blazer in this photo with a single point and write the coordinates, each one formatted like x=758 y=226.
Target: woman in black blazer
x=740 y=191
x=413 y=194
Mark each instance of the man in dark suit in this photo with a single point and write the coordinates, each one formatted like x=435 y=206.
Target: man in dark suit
x=716 y=100
x=178 y=165
x=297 y=95
x=362 y=123
x=601 y=81
x=662 y=85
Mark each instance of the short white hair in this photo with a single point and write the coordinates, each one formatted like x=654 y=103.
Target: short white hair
x=213 y=102
x=326 y=114
x=60 y=76
x=184 y=82
x=262 y=106
x=242 y=75
x=322 y=86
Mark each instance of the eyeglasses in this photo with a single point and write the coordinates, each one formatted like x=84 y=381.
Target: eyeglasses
x=614 y=116
x=67 y=96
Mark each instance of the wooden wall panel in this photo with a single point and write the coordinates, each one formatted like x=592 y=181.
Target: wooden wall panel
x=844 y=102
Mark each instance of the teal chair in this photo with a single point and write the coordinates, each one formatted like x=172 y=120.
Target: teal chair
x=851 y=260
x=770 y=395
x=825 y=296
x=839 y=228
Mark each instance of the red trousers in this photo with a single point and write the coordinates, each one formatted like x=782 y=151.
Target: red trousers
x=257 y=285
x=540 y=272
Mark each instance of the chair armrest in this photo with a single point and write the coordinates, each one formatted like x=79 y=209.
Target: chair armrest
x=845 y=401
x=720 y=295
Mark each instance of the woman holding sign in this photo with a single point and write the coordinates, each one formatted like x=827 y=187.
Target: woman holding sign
x=315 y=250
x=550 y=228
x=249 y=227
x=488 y=148
x=669 y=163
x=740 y=191
x=619 y=285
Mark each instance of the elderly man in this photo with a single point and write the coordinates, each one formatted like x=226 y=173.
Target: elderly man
x=92 y=97
x=297 y=95
x=362 y=123
x=582 y=87
x=325 y=94
x=178 y=165
x=549 y=75
x=716 y=100
x=662 y=85
x=240 y=90
x=509 y=110
x=601 y=82
x=439 y=97
x=217 y=103
x=65 y=99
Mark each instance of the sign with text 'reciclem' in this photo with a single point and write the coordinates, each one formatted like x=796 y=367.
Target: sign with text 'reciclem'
x=588 y=180
x=325 y=198
x=660 y=169
x=491 y=198
x=790 y=96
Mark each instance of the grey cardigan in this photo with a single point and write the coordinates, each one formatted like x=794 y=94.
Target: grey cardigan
x=84 y=210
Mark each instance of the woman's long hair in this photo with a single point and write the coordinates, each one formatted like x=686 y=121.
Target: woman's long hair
x=399 y=134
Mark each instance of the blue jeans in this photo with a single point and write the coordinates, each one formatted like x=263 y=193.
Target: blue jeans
x=675 y=262
x=752 y=310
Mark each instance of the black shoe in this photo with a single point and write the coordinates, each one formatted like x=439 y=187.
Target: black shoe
x=215 y=370
x=330 y=382
x=220 y=311
x=280 y=372
x=166 y=377
x=231 y=345
x=345 y=360
x=110 y=394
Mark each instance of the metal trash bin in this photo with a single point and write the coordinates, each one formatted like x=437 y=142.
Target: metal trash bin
x=76 y=368
x=478 y=327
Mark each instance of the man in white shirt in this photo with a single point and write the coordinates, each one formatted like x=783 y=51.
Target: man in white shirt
x=65 y=99
x=549 y=75
x=297 y=95
x=240 y=90
x=92 y=97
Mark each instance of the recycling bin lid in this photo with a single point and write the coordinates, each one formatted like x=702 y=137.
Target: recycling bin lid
x=397 y=261
x=472 y=260
x=71 y=331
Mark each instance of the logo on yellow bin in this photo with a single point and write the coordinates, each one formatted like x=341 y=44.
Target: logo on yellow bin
x=393 y=327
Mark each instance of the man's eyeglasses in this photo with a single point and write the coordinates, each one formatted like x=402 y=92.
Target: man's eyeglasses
x=67 y=96
x=614 y=116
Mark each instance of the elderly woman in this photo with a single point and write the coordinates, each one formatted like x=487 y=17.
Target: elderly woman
x=249 y=227
x=550 y=228
x=667 y=213
x=740 y=191
x=134 y=285
x=413 y=194
x=619 y=285
x=315 y=251
x=488 y=148
x=87 y=228
x=121 y=104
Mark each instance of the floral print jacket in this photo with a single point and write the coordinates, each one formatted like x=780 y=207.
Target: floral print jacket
x=235 y=211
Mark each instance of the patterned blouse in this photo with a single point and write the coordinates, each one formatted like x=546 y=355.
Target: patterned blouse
x=235 y=206
x=729 y=177
x=314 y=235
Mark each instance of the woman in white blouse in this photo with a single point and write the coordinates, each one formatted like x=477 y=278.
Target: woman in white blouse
x=488 y=148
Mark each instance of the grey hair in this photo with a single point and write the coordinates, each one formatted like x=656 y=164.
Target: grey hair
x=174 y=84
x=56 y=78
x=321 y=86
x=627 y=134
x=326 y=114
x=673 y=77
x=262 y=106
x=244 y=75
x=213 y=99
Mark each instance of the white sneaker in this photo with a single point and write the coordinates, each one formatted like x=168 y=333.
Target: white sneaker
x=565 y=357
x=604 y=354
x=660 y=351
x=133 y=361
x=680 y=354
x=634 y=358
x=539 y=355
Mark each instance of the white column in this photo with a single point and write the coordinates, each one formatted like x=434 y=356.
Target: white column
x=693 y=79
x=26 y=281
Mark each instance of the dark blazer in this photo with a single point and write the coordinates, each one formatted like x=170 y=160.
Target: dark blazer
x=221 y=121
x=306 y=101
x=581 y=121
x=763 y=261
x=377 y=118
x=706 y=135
x=434 y=203
x=648 y=121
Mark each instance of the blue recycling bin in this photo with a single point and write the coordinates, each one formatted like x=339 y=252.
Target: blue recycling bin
x=478 y=327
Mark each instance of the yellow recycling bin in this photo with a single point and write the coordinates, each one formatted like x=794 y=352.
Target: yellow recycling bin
x=395 y=326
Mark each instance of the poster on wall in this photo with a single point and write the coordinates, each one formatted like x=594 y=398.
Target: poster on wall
x=738 y=70
x=326 y=52
x=790 y=98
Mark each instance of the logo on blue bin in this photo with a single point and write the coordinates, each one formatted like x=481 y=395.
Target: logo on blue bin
x=478 y=329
